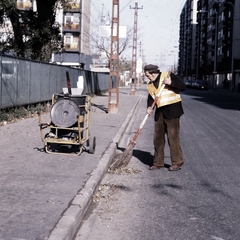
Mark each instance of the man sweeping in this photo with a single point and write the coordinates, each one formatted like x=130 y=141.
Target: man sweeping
x=167 y=115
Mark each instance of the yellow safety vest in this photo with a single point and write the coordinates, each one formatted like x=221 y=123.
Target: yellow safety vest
x=168 y=95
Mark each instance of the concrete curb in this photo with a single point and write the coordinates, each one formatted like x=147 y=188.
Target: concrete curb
x=67 y=226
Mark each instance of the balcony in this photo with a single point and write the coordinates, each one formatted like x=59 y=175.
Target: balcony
x=72 y=7
x=24 y=5
x=71 y=26
x=71 y=47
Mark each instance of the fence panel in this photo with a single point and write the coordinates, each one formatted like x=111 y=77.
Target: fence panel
x=102 y=80
x=9 y=82
x=23 y=79
x=53 y=79
x=25 y=82
x=45 y=82
x=34 y=84
x=60 y=78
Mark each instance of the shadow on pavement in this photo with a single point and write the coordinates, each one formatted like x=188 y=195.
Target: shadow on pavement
x=101 y=107
x=218 y=97
x=144 y=157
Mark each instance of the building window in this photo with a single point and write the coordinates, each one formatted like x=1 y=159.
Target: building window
x=209 y=41
x=221 y=17
x=209 y=27
x=71 y=22
x=24 y=4
x=220 y=51
x=229 y=14
x=73 y=5
x=71 y=42
x=220 y=34
x=228 y=53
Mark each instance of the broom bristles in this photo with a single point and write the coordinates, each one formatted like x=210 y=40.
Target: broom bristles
x=124 y=158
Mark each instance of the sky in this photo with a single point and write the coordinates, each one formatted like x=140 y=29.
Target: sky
x=158 y=27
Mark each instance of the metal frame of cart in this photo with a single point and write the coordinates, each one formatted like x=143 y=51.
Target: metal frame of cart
x=68 y=130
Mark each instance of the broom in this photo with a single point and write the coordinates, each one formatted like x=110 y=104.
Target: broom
x=123 y=159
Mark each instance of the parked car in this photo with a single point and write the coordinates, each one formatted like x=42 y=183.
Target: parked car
x=200 y=84
x=188 y=83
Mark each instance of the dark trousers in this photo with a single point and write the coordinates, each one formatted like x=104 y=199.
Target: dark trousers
x=171 y=128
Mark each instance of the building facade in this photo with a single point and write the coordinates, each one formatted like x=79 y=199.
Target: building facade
x=186 y=63
x=74 y=22
x=216 y=37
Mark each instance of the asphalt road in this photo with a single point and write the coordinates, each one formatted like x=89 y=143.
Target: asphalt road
x=201 y=201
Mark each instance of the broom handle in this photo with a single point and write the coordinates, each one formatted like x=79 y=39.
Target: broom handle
x=147 y=115
x=68 y=84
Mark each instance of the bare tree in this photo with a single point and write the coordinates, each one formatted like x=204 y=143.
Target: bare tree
x=102 y=44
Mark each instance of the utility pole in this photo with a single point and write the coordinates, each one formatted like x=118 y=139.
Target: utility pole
x=134 y=48
x=113 y=91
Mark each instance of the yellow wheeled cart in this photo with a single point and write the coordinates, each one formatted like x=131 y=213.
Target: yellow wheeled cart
x=68 y=130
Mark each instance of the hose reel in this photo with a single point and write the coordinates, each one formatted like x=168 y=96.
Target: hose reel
x=64 y=113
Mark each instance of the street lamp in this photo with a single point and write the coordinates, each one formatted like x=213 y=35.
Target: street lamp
x=174 y=59
x=215 y=50
x=233 y=43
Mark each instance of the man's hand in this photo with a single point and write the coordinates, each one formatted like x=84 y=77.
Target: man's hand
x=167 y=81
x=149 y=110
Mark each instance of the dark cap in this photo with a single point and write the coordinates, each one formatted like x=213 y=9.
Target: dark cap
x=151 y=68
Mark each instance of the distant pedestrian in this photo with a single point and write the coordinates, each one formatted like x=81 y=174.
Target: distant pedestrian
x=167 y=115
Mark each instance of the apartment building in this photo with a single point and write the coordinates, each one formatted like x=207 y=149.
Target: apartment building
x=25 y=4
x=187 y=44
x=217 y=36
x=74 y=23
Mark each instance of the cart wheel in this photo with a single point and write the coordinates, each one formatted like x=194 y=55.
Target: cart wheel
x=92 y=146
x=88 y=141
x=47 y=147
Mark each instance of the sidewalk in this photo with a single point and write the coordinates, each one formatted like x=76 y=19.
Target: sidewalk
x=44 y=196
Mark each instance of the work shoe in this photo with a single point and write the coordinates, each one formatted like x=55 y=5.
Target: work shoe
x=176 y=167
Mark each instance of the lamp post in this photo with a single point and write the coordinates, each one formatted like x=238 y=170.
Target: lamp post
x=174 y=60
x=233 y=43
x=215 y=51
